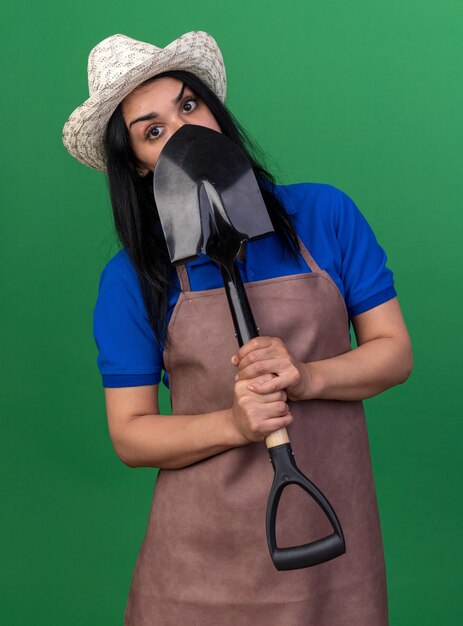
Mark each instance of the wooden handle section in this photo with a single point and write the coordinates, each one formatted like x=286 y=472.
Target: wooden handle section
x=278 y=438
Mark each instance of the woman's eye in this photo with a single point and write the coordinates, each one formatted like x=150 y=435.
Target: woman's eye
x=153 y=132
x=190 y=105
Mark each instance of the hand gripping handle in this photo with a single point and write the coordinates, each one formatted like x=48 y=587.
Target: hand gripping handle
x=306 y=555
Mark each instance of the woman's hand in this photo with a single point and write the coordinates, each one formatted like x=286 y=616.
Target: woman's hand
x=383 y=358
x=257 y=415
x=263 y=356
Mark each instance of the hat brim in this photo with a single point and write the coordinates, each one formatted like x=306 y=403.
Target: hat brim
x=84 y=131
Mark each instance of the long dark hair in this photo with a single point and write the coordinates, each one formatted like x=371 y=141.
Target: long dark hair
x=135 y=215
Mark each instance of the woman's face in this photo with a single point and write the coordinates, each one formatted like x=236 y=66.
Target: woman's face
x=154 y=111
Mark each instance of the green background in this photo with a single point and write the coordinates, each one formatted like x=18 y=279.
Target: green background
x=366 y=96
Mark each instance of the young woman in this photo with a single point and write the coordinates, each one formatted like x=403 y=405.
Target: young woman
x=204 y=559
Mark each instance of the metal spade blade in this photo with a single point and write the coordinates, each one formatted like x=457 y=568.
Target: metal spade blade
x=199 y=168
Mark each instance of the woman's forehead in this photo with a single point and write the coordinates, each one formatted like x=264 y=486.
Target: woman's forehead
x=166 y=87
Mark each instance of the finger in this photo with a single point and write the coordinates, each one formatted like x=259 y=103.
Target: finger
x=262 y=354
x=283 y=367
x=277 y=365
x=273 y=424
x=242 y=390
x=258 y=379
x=254 y=344
x=277 y=396
x=276 y=383
x=261 y=368
x=261 y=412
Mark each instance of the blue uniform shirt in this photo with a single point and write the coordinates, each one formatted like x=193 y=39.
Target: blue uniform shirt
x=332 y=229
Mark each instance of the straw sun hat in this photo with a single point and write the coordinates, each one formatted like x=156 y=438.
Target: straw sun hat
x=116 y=66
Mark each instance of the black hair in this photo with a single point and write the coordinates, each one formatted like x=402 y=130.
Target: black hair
x=135 y=215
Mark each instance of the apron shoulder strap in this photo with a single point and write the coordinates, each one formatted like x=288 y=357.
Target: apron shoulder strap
x=308 y=258
x=183 y=277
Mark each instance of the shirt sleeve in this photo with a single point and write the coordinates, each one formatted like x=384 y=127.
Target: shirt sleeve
x=128 y=353
x=367 y=280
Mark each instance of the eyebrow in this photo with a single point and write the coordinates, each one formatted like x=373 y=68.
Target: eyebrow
x=153 y=115
x=144 y=118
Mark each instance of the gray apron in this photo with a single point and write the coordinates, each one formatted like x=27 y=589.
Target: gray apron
x=204 y=560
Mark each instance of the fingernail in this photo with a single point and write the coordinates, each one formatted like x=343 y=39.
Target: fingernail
x=251 y=387
x=237 y=378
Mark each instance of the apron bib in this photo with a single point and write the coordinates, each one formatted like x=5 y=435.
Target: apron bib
x=204 y=560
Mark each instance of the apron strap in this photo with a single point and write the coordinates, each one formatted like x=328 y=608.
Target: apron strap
x=183 y=277
x=308 y=258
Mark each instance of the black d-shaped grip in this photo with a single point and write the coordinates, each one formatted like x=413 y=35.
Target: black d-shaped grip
x=308 y=554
